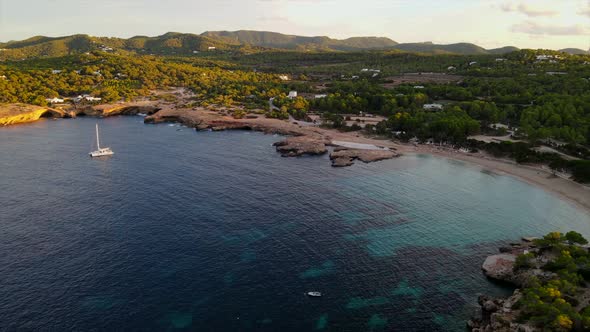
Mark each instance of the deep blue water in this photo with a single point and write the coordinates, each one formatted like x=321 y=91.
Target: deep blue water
x=214 y=231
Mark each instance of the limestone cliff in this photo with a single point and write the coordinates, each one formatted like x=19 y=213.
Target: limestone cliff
x=11 y=114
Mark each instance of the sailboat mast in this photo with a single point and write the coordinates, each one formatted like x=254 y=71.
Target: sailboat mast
x=97 y=139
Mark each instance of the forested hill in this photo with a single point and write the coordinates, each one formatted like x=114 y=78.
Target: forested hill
x=574 y=51
x=167 y=44
x=279 y=40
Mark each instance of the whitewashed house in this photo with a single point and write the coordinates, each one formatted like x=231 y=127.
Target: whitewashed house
x=320 y=96
x=87 y=98
x=56 y=71
x=432 y=107
x=292 y=94
x=418 y=86
x=284 y=77
x=54 y=100
x=451 y=68
x=473 y=63
x=211 y=48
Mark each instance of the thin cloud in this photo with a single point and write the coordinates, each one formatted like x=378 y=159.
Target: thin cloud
x=533 y=28
x=527 y=10
x=585 y=11
x=272 y=18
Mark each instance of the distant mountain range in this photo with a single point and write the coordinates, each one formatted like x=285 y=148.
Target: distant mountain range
x=574 y=51
x=187 y=43
x=279 y=40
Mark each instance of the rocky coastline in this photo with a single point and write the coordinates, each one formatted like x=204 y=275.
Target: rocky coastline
x=13 y=114
x=537 y=268
x=500 y=314
x=300 y=141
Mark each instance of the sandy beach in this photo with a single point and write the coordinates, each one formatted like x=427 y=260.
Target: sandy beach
x=537 y=175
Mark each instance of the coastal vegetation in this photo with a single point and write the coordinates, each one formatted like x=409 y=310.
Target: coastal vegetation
x=559 y=301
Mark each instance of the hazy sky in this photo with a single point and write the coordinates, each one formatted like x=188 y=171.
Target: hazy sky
x=489 y=23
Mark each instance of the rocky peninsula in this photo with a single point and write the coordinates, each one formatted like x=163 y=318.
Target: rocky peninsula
x=11 y=114
x=343 y=156
x=552 y=276
x=301 y=141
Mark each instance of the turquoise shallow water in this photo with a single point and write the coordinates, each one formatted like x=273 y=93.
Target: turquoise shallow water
x=214 y=231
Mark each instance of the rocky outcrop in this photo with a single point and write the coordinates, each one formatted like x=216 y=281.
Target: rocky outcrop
x=11 y=114
x=499 y=315
x=342 y=157
x=502 y=266
x=300 y=145
x=121 y=109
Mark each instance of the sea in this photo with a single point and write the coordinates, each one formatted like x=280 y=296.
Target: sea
x=214 y=231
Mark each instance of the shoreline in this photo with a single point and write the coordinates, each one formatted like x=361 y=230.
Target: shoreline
x=568 y=190
x=539 y=176
x=201 y=119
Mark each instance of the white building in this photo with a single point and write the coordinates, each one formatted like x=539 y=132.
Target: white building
x=211 y=48
x=292 y=94
x=418 y=86
x=473 y=63
x=500 y=59
x=320 y=96
x=87 y=98
x=54 y=100
x=195 y=52
x=451 y=68
x=284 y=77
x=56 y=71
x=433 y=107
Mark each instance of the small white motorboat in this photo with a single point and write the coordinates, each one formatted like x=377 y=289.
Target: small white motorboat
x=101 y=151
x=314 y=294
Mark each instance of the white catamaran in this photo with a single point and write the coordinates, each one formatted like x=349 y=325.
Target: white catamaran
x=101 y=151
